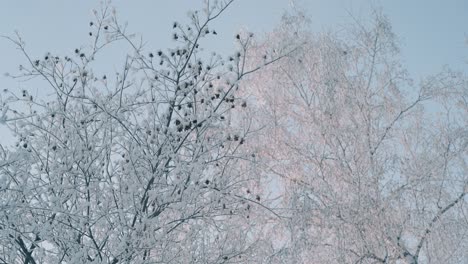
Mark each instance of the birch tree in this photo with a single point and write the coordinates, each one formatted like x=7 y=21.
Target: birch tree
x=371 y=167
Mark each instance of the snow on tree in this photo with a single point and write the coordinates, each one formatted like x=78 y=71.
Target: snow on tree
x=142 y=165
x=370 y=167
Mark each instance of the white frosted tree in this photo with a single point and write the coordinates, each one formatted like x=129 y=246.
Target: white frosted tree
x=142 y=165
x=369 y=167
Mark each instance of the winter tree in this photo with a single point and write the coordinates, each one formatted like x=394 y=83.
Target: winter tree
x=142 y=165
x=369 y=167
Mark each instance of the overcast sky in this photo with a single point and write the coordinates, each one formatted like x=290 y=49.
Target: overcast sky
x=432 y=33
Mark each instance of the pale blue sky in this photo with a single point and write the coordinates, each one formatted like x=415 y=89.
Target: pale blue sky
x=432 y=33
